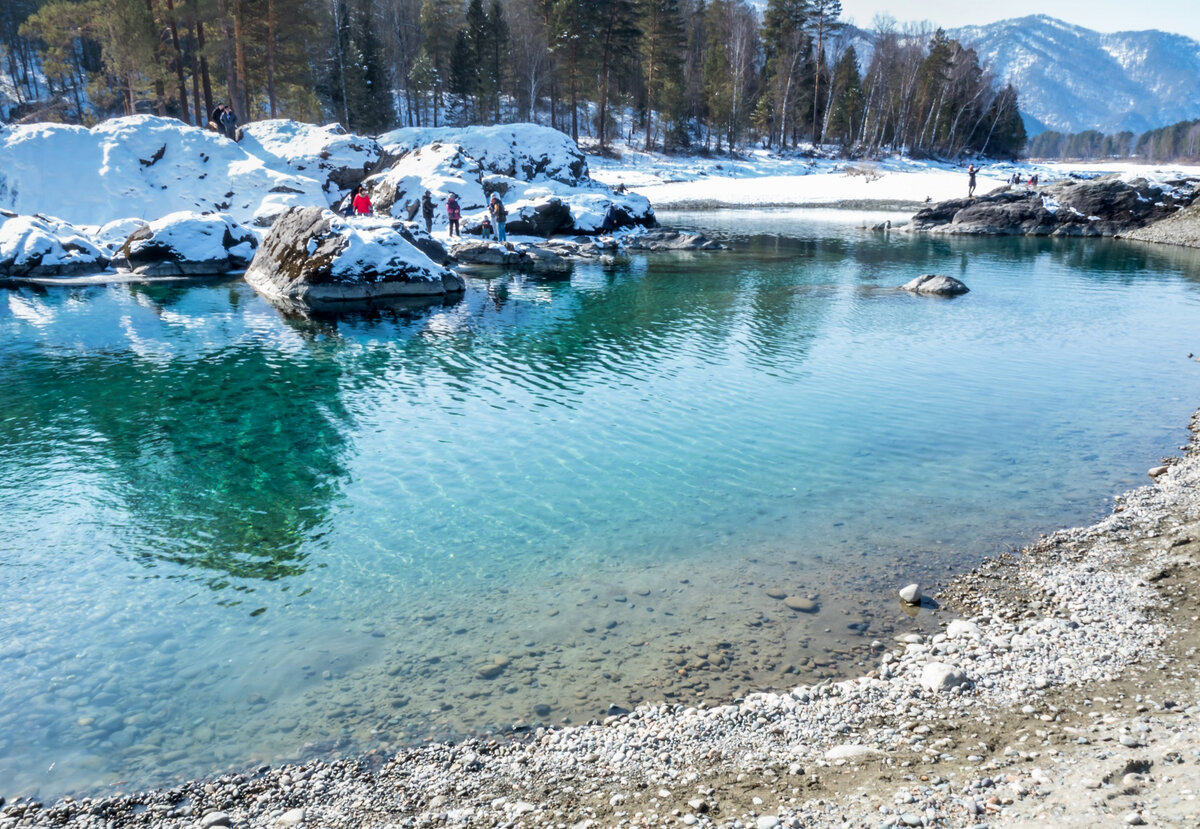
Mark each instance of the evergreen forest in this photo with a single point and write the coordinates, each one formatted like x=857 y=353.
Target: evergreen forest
x=671 y=75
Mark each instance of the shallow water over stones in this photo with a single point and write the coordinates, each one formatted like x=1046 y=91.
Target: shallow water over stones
x=234 y=536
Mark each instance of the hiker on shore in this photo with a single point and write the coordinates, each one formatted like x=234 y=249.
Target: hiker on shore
x=427 y=211
x=610 y=219
x=362 y=202
x=499 y=216
x=971 y=172
x=453 y=214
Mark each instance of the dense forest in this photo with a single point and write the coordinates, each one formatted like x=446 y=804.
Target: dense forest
x=663 y=74
x=1177 y=142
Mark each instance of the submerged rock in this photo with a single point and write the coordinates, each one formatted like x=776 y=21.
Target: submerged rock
x=39 y=246
x=187 y=244
x=662 y=239
x=935 y=284
x=312 y=255
x=512 y=255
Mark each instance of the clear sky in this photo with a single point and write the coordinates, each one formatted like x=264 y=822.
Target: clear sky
x=1179 y=16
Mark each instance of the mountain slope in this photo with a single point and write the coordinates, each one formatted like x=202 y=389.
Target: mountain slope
x=1072 y=79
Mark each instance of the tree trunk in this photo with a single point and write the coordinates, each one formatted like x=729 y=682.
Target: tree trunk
x=227 y=54
x=204 y=76
x=160 y=88
x=173 y=25
x=239 y=52
x=817 y=78
x=271 y=57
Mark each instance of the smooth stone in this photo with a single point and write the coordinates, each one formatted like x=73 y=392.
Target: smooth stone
x=938 y=676
x=936 y=284
x=214 y=819
x=767 y=822
x=1158 y=470
x=776 y=593
x=911 y=593
x=292 y=817
x=1134 y=819
x=800 y=604
x=853 y=753
x=961 y=628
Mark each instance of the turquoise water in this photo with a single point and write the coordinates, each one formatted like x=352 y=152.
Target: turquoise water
x=232 y=536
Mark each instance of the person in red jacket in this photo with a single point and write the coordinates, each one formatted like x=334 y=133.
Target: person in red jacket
x=362 y=202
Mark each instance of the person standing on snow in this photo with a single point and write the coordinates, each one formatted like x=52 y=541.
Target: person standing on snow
x=499 y=216
x=610 y=219
x=362 y=202
x=971 y=171
x=427 y=211
x=453 y=214
x=229 y=123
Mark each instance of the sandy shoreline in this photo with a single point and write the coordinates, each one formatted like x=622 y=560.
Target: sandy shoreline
x=1070 y=697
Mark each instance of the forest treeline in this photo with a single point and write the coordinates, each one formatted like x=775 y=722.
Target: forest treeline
x=1177 y=142
x=665 y=74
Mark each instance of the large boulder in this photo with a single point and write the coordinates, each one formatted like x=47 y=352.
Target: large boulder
x=1107 y=206
x=527 y=152
x=935 y=285
x=1182 y=228
x=40 y=246
x=187 y=244
x=512 y=256
x=337 y=158
x=313 y=256
x=544 y=217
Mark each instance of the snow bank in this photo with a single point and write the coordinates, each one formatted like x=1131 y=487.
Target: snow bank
x=335 y=157
x=142 y=166
x=520 y=151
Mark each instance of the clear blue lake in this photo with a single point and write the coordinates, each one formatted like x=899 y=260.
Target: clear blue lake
x=233 y=536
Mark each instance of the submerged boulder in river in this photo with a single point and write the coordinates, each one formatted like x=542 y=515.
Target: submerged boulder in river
x=187 y=244
x=663 y=239
x=313 y=256
x=935 y=284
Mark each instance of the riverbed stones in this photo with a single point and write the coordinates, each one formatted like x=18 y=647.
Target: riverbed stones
x=911 y=594
x=934 y=284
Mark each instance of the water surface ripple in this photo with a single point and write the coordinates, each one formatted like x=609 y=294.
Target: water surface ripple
x=234 y=536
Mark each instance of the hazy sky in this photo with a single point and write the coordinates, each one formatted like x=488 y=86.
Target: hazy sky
x=1180 y=16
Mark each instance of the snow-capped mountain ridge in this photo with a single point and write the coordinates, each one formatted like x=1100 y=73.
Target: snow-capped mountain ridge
x=1071 y=78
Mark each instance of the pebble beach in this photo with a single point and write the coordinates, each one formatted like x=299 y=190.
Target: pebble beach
x=1060 y=689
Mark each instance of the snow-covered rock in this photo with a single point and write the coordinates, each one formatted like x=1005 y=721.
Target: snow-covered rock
x=143 y=166
x=40 y=246
x=186 y=244
x=526 y=152
x=538 y=172
x=338 y=159
x=111 y=235
x=312 y=256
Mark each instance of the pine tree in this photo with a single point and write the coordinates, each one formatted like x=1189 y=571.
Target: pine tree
x=846 y=106
x=617 y=35
x=823 y=21
x=663 y=43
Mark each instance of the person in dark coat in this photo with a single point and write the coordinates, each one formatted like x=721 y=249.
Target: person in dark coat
x=499 y=216
x=610 y=219
x=229 y=123
x=427 y=211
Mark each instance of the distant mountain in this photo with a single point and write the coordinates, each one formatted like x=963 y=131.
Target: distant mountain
x=1072 y=79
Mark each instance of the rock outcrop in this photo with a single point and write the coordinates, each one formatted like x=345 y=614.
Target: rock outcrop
x=39 y=246
x=312 y=256
x=512 y=256
x=935 y=285
x=1183 y=229
x=187 y=244
x=1108 y=206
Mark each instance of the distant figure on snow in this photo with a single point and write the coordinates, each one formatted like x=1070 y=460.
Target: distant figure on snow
x=610 y=219
x=453 y=214
x=1016 y=178
x=362 y=202
x=214 y=119
x=229 y=123
x=427 y=211
x=499 y=216
x=971 y=173
x=485 y=229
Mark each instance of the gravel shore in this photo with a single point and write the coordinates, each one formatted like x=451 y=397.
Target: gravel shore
x=1061 y=691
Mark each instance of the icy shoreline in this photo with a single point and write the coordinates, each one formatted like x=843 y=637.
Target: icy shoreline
x=1054 y=705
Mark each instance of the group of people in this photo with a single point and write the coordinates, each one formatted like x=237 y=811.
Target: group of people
x=224 y=120
x=973 y=171
x=496 y=218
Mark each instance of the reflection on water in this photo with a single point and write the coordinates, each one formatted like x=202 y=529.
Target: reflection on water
x=236 y=534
